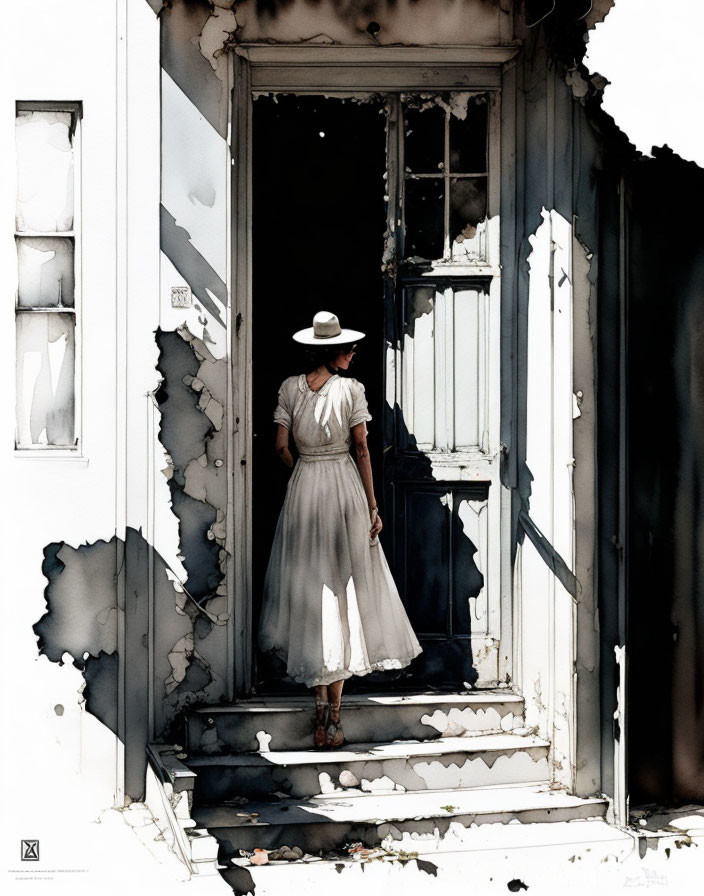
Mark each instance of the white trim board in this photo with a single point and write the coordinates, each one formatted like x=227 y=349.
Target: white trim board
x=363 y=69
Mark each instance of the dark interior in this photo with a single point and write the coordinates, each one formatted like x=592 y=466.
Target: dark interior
x=318 y=227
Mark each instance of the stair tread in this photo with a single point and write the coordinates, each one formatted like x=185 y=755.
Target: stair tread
x=363 y=701
x=380 y=751
x=373 y=807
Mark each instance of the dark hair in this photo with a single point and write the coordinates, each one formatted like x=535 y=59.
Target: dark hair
x=317 y=355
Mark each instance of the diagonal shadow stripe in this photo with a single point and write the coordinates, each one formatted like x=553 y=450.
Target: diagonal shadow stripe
x=195 y=270
x=548 y=553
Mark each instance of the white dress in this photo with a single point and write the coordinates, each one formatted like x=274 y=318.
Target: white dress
x=331 y=608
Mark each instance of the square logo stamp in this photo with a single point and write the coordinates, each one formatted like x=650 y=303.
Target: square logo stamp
x=29 y=850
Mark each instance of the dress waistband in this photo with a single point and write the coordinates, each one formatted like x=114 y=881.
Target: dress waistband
x=323 y=454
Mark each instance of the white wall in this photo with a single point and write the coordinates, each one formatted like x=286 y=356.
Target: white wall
x=547 y=611
x=64 y=762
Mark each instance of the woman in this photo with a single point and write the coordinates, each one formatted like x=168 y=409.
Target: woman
x=331 y=608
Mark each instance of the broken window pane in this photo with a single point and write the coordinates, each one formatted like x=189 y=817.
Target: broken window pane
x=468 y=136
x=44 y=171
x=45 y=379
x=424 y=148
x=424 y=217
x=467 y=206
x=45 y=272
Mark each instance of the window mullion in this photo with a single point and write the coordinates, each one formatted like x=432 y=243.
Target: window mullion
x=446 y=184
x=395 y=174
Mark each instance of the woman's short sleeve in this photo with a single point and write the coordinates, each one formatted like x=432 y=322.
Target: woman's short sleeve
x=283 y=412
x=360 y=411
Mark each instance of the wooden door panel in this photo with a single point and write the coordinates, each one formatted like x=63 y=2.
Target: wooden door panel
x=425 y=559
x=441 y=471
x=443 y=372
x=438 y=573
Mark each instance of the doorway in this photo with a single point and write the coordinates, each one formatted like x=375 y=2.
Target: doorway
x=318 y=222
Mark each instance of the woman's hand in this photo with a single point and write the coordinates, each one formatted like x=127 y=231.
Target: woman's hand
x=282 y=449
x=359 y=434
x=376 y=522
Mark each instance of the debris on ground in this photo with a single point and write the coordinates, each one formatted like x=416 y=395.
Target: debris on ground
x=273 y=856
x=361 y=853
x=236 y=801
x=286 y=853
x=358 y=852
x=250 y=816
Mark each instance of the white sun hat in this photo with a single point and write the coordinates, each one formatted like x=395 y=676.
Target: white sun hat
x=326 y=330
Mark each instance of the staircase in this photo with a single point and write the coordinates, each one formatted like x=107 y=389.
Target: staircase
x=415 y=765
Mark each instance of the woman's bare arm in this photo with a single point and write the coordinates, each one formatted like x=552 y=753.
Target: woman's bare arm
x=364 y=464
x=282 y=448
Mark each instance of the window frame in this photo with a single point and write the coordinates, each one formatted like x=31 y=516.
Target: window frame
x=448 y=260
x=75 y=451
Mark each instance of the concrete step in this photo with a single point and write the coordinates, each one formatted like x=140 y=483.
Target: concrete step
x=447 y=763
x=579 y=857
x=329 y=822
x=286 y=723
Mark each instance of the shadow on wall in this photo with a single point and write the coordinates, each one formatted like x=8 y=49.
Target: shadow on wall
x=666 y=466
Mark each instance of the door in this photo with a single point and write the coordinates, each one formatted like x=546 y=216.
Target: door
x=379 y=208
x=442 y=450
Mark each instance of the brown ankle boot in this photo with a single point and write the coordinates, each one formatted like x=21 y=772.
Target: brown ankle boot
x=322 y=716
x=334 y=735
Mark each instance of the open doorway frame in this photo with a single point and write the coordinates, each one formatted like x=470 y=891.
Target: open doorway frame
x=333 y=71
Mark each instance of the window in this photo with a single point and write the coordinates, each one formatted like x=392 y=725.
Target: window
x=445 y=176
x=48 y=275
x=446 y=372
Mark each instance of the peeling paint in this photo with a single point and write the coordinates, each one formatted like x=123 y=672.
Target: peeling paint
x=81 y=613
x=81 y=622
x=218 y=31
x=459 y=722
x=451 y=769
x=191 y=399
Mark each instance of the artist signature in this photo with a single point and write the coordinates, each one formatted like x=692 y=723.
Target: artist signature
x=646 y=878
